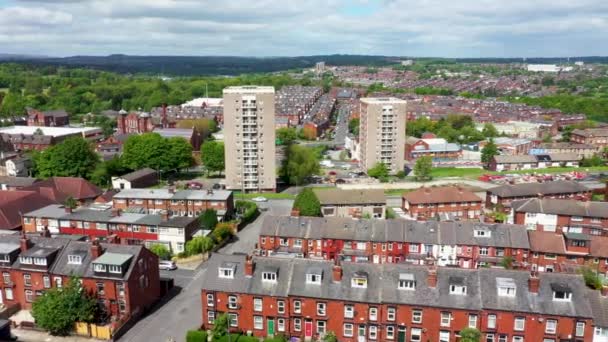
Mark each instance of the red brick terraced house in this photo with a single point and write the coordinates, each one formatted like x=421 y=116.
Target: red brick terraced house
x=124 y=279
x=179 y=203
x=502 y=196
x=590 y=136
x=458 y=244
x=50 y=118
x=426 y=203
x=392 y=302
x=114 y=226
x=562 y=215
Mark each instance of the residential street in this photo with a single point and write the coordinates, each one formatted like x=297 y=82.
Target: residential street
x=183 y=312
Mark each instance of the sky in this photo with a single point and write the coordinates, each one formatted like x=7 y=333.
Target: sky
x=437 y=28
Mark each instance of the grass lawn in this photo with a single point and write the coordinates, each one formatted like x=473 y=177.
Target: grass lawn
x=441 y=172
x=270 y=195
x=555 y=170
x=396 y=192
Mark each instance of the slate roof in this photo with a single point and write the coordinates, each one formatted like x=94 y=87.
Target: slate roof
x=562 y=207
x=17 y=181
x=208 y=195
x=564 y=157
x=376 y=230
x=533 y=189
x=136 y=175
x=591 y=132
x=351 y=197
x=382 y=285
x=518 y=159
x=599 y=308
x=444 y=194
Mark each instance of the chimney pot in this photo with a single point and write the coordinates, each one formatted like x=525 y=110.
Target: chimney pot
x=533 y=283
x=68 y=209
x=249 y=266
x=24 y=243
x=96 y=250
x=337 y=272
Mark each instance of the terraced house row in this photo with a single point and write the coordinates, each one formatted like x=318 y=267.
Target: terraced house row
x=396 y=302
x=124 y=278
x=461 y=244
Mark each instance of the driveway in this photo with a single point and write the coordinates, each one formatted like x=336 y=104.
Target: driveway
x=183 y=312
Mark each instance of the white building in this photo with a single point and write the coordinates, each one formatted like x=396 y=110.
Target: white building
x=543 y=68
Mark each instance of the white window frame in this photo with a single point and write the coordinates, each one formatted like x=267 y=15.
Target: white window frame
x=446 y=319
x=519 y=323
x=550 y=326
x=349 y=311
x=417 y=316
x=258 y=322
x=321 y=309
x=348 y=330
x=491 y=321
x=580 y=329
x=258 y=304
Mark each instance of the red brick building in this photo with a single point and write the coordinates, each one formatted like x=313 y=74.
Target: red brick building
x=458 y=244
x=437 y=148
x=59 y=189
x=592 y=136
x=51 y=118
x=393 y=302
x=125 y=279
x=134 y=123
x=502 y=196
x=180 y=203
x=426 y=203
x=559 y=215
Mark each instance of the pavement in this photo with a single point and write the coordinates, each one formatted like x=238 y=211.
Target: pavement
x=39 y=336
x=183 y=311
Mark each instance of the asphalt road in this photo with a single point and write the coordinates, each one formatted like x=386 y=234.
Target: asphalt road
x=183 y=312
x=341 y=126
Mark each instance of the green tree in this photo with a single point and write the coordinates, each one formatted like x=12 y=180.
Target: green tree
x=353 y=126
x=73 y=157
x=547 y=138
x=489 y=130
x=330 y=336
x=488 y=152
x=423 y=168
x=59 y=308
x=300 y=163
x=307 y=203
x=286 y=135
x=220 y=326
x=180 y=151
x=208 y=219
x=470 y=335
x=70 y=202
x=161 y=251
x=507 y=262
x=146 y=150
x=212 y=156
x=378 y=171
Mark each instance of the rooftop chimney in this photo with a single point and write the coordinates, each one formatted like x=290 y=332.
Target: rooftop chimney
x=96 y=250
x=25 y=242
x=249 y=266
x=45 y=232
x=431 y=279
x=164 y=121
x=533 y=283
x=336 y=271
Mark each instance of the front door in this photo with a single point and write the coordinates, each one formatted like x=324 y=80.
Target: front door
x=308 y=330
x=361 y=333
x=401 y=335
x=270 y=327
x=376 y=259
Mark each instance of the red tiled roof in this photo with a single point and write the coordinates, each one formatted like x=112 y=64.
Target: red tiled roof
x=446 y=194
x=15 y=203
x=106 y=196
x=58 y=189
x=599 y=246
x=547 y=242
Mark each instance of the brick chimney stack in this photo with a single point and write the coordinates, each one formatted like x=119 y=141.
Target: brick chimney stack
x=45 y=232
x=533 y=283
x=431 y=279
x=336 y=271
x=24 y=243
x=604 y=291
x=164 y=120
x=249 y=266
x=96 y=250
x=67 y=209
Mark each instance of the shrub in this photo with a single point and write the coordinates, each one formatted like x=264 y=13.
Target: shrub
x=592 y=279
x=248 y=210
x=222 y=231
x=208 y=219
x=307 y=203
x=161 y=251
x=196 y=336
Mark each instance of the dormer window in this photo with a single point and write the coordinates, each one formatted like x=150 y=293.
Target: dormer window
x=74 y=259
x=269 y=276
x=99 y=268
x=506 y=287
x=457 y=286
x=226 y=270
x=561 y=292
x=407 y=281
x=481 y=233
x=26 y=260
x=5 y=258
x=314 y=276
x=359 y=280
x=40 y=261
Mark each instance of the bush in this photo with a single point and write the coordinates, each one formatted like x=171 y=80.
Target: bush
x=592 y=279
x=161 y=251
x=196 y=336
x=222 y=231
x=248 y=210
x=208 y=219
x=199 y=245
x=307 y=203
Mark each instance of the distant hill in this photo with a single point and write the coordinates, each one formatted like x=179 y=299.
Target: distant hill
x=230 y=65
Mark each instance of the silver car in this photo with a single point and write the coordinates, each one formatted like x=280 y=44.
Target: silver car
x=167 y=265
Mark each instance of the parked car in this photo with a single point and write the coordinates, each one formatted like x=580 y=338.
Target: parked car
x=260 y=199
x=167 y=265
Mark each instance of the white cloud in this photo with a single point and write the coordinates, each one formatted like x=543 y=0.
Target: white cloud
x=291 y=27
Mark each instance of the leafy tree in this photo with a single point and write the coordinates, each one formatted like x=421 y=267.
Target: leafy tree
x=222 y=232
x=307 y=203
x=146 y=150
x=105 y=170
x=161 y=251
x=470 y=335
x=596 y=160
x=71 y=203
x=300 y=163
x=208 y=219
x=423 y=168
x=488 y=152
x=286 y=135
x=507 y=262
x=59 y=308
x=212 y=156
x=73 y=157
x=180 y=151
x=419 y=126
x=330 y=336
x=489 y=130
x=591 y=277
x=353 y=126
x=547 y=138
x=204 y=126
x=378 y=171
x=220 y=326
